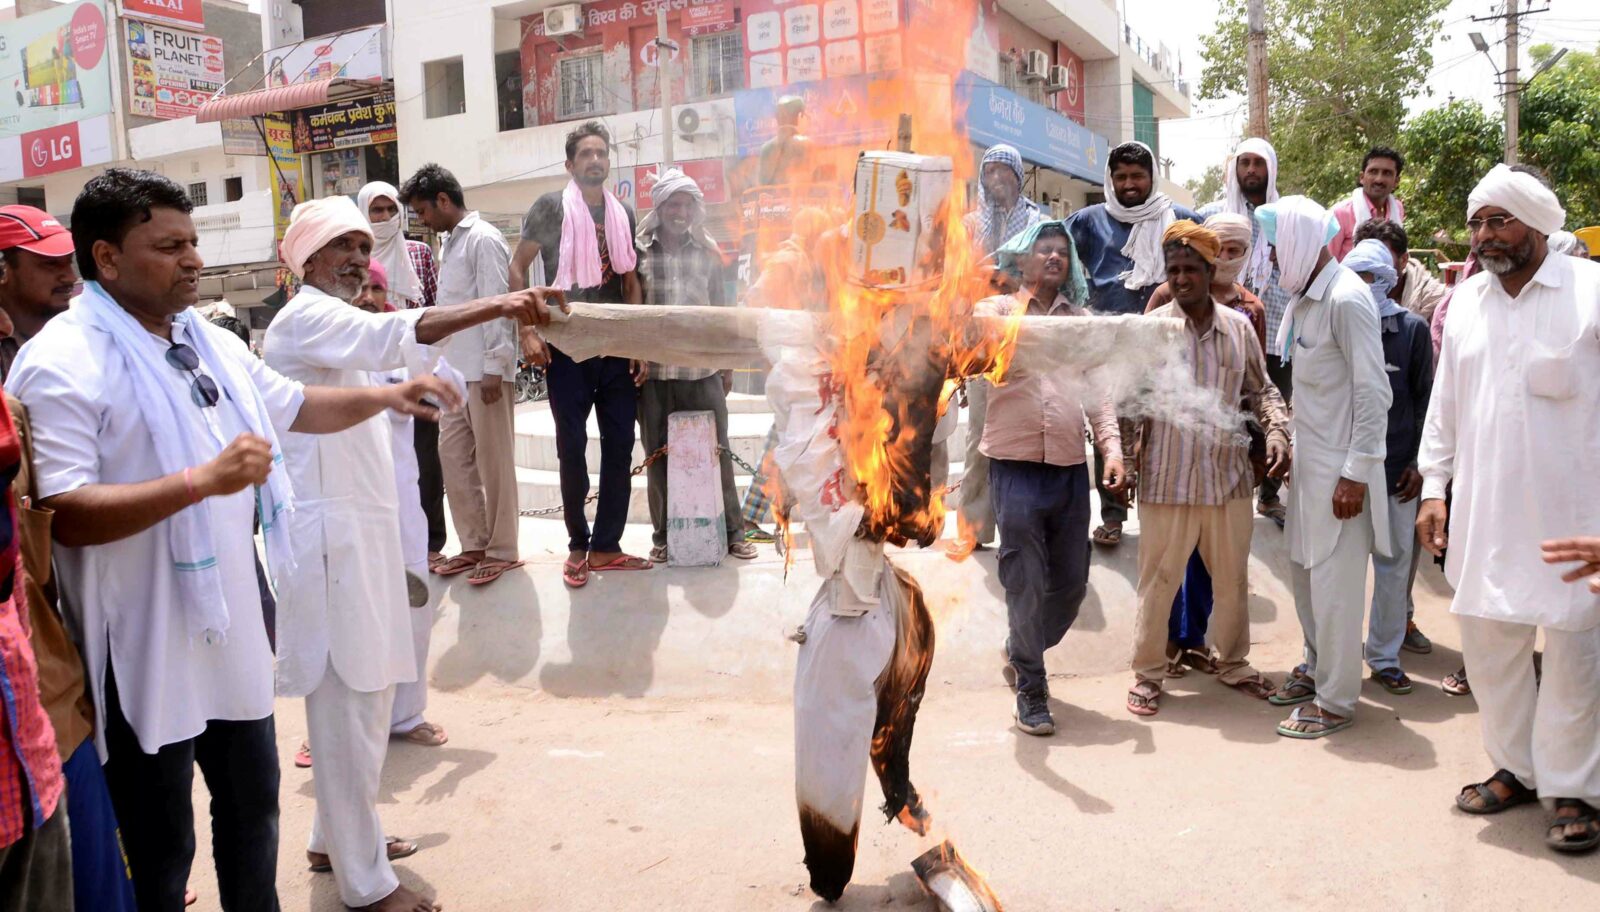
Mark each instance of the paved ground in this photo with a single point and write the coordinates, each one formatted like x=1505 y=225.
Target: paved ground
x=629 y=747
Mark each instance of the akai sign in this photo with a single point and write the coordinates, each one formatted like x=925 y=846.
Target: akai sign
x=185 y=13
x=53 y=149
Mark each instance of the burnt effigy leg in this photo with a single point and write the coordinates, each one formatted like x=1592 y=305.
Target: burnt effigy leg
x=848 y=644
x=900 y=692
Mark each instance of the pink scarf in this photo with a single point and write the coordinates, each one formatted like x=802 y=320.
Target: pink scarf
x=580 y=246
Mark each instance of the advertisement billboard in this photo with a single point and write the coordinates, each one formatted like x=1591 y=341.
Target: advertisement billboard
x=355 y=54
x=288 y=182
x=58 y=68
x=188 y=14
x=171 y=72
x=344 y=124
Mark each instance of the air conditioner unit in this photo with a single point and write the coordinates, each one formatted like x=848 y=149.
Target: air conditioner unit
x=566 y=19
x=1036 y=66
x=691 y=121
x=1060 y=76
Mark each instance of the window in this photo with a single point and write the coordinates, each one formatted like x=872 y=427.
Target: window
x=444 y=88
x=197 y=194
x=233 y=188
x=508 y=84
x=579 y=81
x=31 y=196
x=1008 y=71
x=716 y=64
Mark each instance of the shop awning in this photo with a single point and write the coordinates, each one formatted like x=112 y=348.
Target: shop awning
x=284 y=98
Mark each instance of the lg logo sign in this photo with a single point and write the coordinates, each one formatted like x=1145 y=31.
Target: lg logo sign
x=46 y=152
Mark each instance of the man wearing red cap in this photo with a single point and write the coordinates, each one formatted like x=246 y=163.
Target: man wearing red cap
x=38 y=279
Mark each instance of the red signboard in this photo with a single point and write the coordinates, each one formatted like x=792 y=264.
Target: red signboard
x=718 y=13
x=1069 y=101
x=50 y=150
x=185 y=13
x=708 y=173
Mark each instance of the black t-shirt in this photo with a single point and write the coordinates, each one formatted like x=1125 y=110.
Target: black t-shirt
x=542 y=225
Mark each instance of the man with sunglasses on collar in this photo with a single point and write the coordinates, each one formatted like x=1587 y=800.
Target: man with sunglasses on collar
x=155 y=443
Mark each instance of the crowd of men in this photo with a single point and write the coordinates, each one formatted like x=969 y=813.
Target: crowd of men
x=144 y=633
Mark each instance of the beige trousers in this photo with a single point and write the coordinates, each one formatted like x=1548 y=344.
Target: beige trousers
x=1168 y=535
x=477 y=455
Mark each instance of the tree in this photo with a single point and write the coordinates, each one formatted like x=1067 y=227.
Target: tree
x=1450 y=147
x=1207 y=186
x=1339 y=77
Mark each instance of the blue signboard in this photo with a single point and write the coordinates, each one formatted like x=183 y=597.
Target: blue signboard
x=995 y=114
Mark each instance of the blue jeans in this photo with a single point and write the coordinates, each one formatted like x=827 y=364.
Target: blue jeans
x=1191 y=607
x=100 y=881
x=603 y=386
x=1042 y=513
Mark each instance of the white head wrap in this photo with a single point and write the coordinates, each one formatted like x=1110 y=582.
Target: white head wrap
x=389 y=242
x=1300 y=229
x=1520 y=194
x=1235 y=228
x=1564 y=242
x=668 y=183
x=1149 y=220
x=1258 y=269
x=313 y=224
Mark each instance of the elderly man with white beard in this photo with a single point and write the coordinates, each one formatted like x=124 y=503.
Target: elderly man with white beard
x=344 y=632
x=1514 y=426
x=1338 y=513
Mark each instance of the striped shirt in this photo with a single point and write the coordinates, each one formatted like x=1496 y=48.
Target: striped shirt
x=1209 y=466
x=690 y=276
x=427 y=273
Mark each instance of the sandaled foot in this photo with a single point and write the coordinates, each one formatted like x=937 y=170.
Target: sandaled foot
x=1308 y=723
x=302 y=757
x=1144 y=698
x=1298 y=688
x=759 y=536
x=658 y=554
x=427 y=734
x=461 y=563
x=1499 y=792
x=1108 y=535
x=397 y=848
x=1257 y=686
x=1201 y=660
x=1273 y=510
x=490 y=569
x=619 y=562
x=403 y=900
x=575 y=573
x=1576 y=827
x=742 y=550
x=1175 y=669
x=1456 y=685
x=1393 y=680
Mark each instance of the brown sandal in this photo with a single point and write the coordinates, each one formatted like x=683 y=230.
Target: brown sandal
x=427 y=734
x=453 y=566
x=398 y=848
x=1257 y=686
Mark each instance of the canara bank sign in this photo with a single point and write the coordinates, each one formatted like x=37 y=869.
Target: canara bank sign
x=1008 y=109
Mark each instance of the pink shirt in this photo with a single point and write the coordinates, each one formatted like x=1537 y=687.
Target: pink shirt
x=1345 y=214
x=1038 y=417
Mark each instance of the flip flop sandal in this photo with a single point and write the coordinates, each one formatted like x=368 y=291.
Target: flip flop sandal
x=622 y=562
x=759 y=537
x=1556 y=837
x=575 y=575
x=1150 y=703
x=1256 y=687
x=427 y=734
x=397 y=849
x=1175 y=669
x=658 y=554
x=497 y=569
x=743 y=550
x=1456 y=685
x=302 y=757
x=453 y=566
x=1492 y=803
x=1298 y=689
x=1106 y=537
x=1299 y=715
x=1393 y=680
x=1201 y=660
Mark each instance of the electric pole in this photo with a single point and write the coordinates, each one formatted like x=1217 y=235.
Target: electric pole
x=1513 y=87
x=1256 y=73
x=664 y=48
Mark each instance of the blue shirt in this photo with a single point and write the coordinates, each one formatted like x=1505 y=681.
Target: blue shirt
x=1100 y=239
x=1408 y=360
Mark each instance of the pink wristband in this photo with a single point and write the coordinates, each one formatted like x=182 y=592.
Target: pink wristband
x=188 y=484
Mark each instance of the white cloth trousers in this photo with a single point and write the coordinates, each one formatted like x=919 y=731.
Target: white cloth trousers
x=350 y=731
x=1329 y=599
x=1391 y=587
x=411 y=698
x=1548 y=734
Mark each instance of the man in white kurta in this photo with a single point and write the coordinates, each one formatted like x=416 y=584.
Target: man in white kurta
x=344 y=633
x=1340 y=419
x=1514 y=426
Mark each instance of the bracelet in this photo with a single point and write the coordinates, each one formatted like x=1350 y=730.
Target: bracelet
x=188 y=484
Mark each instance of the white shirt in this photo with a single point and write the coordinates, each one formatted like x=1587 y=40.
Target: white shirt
x=1341 y=413
x=124 y=596
x=474 y=263
x=346 y=601
x=407 y=473
x=1515 y=422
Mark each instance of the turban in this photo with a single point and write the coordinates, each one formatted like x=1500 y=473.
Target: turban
x=1021 y=244
x=1373 y=257
x=1236 y=229
x=1200 y=239
x=377 y=275
x=313 y=224
x=389 y=241
x=1520 y=194
x=1564 y=242
x=669 y=183
x=1259 y=270
x=1300 y=229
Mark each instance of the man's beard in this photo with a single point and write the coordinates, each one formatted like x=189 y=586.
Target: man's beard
x=1253 y=185
x=1507 y=259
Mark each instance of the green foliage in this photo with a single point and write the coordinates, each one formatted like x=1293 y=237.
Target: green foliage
x=1207 y=186
x=1340 y=75
x=1450 y=147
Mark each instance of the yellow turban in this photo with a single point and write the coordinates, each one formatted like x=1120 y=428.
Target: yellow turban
x=1198 y=238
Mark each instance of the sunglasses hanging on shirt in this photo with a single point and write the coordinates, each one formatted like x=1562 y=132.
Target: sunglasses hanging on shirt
x=203 y=390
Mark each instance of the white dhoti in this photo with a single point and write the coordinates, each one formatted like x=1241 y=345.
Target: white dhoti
x=411 y=698
x=1330 y=599
x=351 y=733
x=1548 y=734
